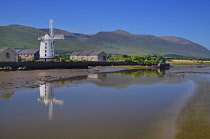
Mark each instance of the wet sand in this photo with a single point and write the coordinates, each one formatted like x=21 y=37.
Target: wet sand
x=193 y=121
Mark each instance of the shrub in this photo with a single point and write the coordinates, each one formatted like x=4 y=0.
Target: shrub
x=25 y=61
x=51 y=61
x=69 y=60
x=39 y=61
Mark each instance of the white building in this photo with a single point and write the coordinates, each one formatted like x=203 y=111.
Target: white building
x=47 y=48
x=47 y=51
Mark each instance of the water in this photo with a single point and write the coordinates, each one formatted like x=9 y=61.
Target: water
x=124 y=105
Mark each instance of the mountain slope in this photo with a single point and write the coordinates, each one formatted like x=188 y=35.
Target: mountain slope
x=16 y=36
x=146 y=44
x=118 y=41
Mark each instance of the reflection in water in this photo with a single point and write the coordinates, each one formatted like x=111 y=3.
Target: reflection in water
x=121 y=79
x=148 y=73
x=97 y=77
x=119 y=105
x=101 y=79
x=6 y=95
x=47 y=97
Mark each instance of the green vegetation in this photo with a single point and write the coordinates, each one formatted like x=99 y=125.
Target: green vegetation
x=62 y=58
x=27 y=61
x=143 y=60
x=120 y=42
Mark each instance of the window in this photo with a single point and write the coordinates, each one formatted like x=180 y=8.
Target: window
x=45 y=43
x=52 y=51
x=7 y=55
x=45 y=47
x=45 y=54
x=92 y=59
x=52 y=54
x=82 y=59
x=45 y=51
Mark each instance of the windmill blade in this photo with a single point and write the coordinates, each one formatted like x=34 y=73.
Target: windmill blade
x=59 y=36
x=51 y=27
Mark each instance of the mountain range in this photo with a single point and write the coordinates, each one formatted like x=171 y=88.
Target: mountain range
x=115 y=42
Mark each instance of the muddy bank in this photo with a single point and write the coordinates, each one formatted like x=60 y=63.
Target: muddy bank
x=15 y=80
x=193 y=121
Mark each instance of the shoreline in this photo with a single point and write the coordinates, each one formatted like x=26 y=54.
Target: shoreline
x=192 y=119
x=20 y=80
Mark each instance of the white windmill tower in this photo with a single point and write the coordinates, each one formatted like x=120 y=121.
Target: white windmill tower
x=46 y=51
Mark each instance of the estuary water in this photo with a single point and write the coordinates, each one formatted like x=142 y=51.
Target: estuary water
x=135 y=104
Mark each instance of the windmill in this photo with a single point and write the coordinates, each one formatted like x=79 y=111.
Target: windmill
x=46 y=51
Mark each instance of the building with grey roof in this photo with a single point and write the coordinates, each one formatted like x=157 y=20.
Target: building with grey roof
x=89 y=56
x=75 y=53
x=28 y=54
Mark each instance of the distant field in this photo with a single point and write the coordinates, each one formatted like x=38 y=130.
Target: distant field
x=188 y=61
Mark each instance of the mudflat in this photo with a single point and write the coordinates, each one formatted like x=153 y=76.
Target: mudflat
x=14 y=80
x=193 y=121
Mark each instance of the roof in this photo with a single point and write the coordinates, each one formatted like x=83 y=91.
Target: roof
x=95 y=53
x=12 y=50
x=28 y=51
x=75 y=53
x=47 y=37
x=85 y=53
x=18 y=50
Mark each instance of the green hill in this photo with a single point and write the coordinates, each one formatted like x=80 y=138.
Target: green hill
x=119 y=41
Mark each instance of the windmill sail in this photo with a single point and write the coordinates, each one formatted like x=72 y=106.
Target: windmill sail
x=59 y=36
x=51 y=28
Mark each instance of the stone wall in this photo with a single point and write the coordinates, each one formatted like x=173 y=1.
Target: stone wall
x=61 y=65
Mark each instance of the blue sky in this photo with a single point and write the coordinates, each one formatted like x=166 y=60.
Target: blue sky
x=183 y=18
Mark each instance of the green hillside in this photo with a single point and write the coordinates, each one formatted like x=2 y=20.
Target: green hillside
x=119 y=41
